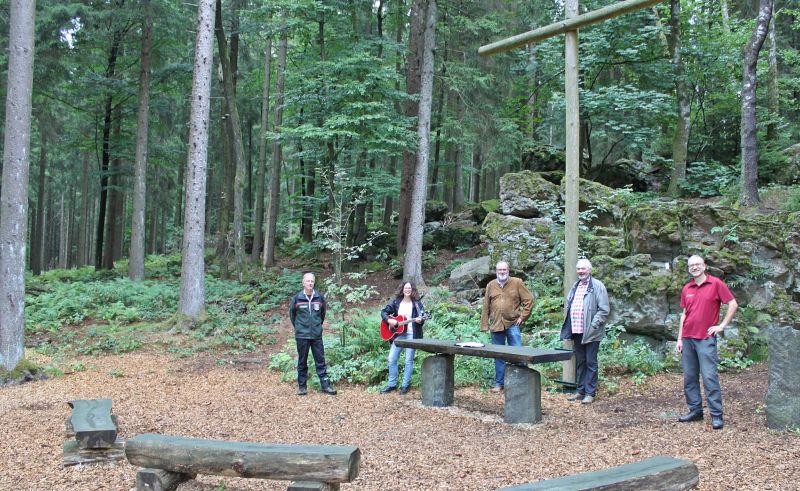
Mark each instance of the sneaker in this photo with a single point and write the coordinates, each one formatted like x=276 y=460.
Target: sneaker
x=576 y=397
x=587 y=400
x=497 y=388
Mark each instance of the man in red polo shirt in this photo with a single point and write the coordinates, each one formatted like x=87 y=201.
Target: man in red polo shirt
x=697 y=340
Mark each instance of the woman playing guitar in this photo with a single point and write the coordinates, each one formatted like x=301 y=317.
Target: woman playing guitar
x=406 y=305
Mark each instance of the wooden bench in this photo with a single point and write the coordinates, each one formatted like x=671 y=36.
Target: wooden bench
x=92 y=431
x=170 y=460
x=523 y=385
x=656 y=473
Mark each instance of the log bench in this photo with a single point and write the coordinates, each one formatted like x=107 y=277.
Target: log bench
x=169 y=460
x=523 y=385
x=660 y=473
x=91 y=430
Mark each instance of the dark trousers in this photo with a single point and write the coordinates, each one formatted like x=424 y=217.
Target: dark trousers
x=699 y=357
x=586 y=366
x=318 y=351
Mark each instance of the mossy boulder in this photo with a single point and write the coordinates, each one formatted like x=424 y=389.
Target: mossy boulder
x=526 y=243
x=654 y=228
x=472 y=275
x=601 y=201
x=541 y=158
x=527 y=195
x=451 y=235
x=640 y=292
x=478 y=211
x=435 y=211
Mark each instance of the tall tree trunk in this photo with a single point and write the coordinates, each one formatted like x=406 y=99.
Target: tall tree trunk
x=111 y=68
x=228 y=74
x=680 y=142
x=441 y=105
x=458 y=171
x=63 y=240
x=192 y=299
x=412 y=267
x=113 y=234
x=271 y=217
x=85 y=228
x=14 y=194
x=413 y=81
x=773 y=97
x=258 y=229
x=238 y=147
x=37 y=237
x=136 y=260
x=181 y=181
x=749 y=134
x=475 y=178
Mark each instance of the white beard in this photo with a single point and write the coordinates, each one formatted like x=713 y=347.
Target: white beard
x=502 y=278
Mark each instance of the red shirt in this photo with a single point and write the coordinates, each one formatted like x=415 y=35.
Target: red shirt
x=701 y=305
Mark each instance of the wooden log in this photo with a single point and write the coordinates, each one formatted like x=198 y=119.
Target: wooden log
x=74 y=455
x=313 y=486
x=159 y=480
x=656 y=473
x=323 y=463
x=91 y=421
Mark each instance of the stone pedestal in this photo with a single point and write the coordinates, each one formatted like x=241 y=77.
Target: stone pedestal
x=437 y=381
x=523 y=395
x=783 y=394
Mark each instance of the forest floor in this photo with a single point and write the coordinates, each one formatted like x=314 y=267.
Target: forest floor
x=404 y=445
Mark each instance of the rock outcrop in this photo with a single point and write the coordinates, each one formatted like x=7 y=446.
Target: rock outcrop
x=639 y=248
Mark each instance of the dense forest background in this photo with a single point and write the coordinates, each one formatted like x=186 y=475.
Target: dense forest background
x=313 y=130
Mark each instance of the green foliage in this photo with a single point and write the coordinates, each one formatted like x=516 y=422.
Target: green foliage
x=705 y=179
x=622 y=356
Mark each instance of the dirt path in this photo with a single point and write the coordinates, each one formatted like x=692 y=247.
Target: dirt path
x=404 y=445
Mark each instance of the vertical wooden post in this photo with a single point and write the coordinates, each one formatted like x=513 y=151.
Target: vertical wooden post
x=572 y=149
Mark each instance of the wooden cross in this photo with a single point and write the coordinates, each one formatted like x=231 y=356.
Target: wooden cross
x=569 y=27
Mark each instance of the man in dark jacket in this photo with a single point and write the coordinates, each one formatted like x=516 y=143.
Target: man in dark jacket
x=587 y=312
x=307 y=312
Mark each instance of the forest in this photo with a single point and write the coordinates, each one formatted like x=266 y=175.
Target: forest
x=241 y=132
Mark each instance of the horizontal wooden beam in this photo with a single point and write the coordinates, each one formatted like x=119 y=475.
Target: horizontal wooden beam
x=572 y=24
x=323 y=463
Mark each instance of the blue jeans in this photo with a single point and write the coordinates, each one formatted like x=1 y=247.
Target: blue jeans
x=394 y=355
x=514 y=338
x=699 y=357
x=586 y=367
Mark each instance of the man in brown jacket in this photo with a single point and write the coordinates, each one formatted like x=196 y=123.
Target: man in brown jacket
x=506 y=305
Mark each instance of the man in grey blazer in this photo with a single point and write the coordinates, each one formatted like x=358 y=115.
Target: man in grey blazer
x=587 y=312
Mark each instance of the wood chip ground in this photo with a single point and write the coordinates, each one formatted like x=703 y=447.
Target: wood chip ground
x=404 y=445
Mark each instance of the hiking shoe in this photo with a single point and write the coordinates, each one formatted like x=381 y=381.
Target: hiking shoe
x=587 y=400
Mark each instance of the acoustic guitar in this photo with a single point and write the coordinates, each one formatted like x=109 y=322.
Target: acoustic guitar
x=388 y=333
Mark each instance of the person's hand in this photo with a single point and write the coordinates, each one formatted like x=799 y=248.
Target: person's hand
x=418 y=320
x=392 y=322
x=518 y=321
x=714 y=330
x=679 y=346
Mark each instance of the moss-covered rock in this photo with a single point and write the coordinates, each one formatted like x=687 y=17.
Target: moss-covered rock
x=526 y=194
x=654 y=228
x=435 y=211
x=541 y=158
x=526 y=243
